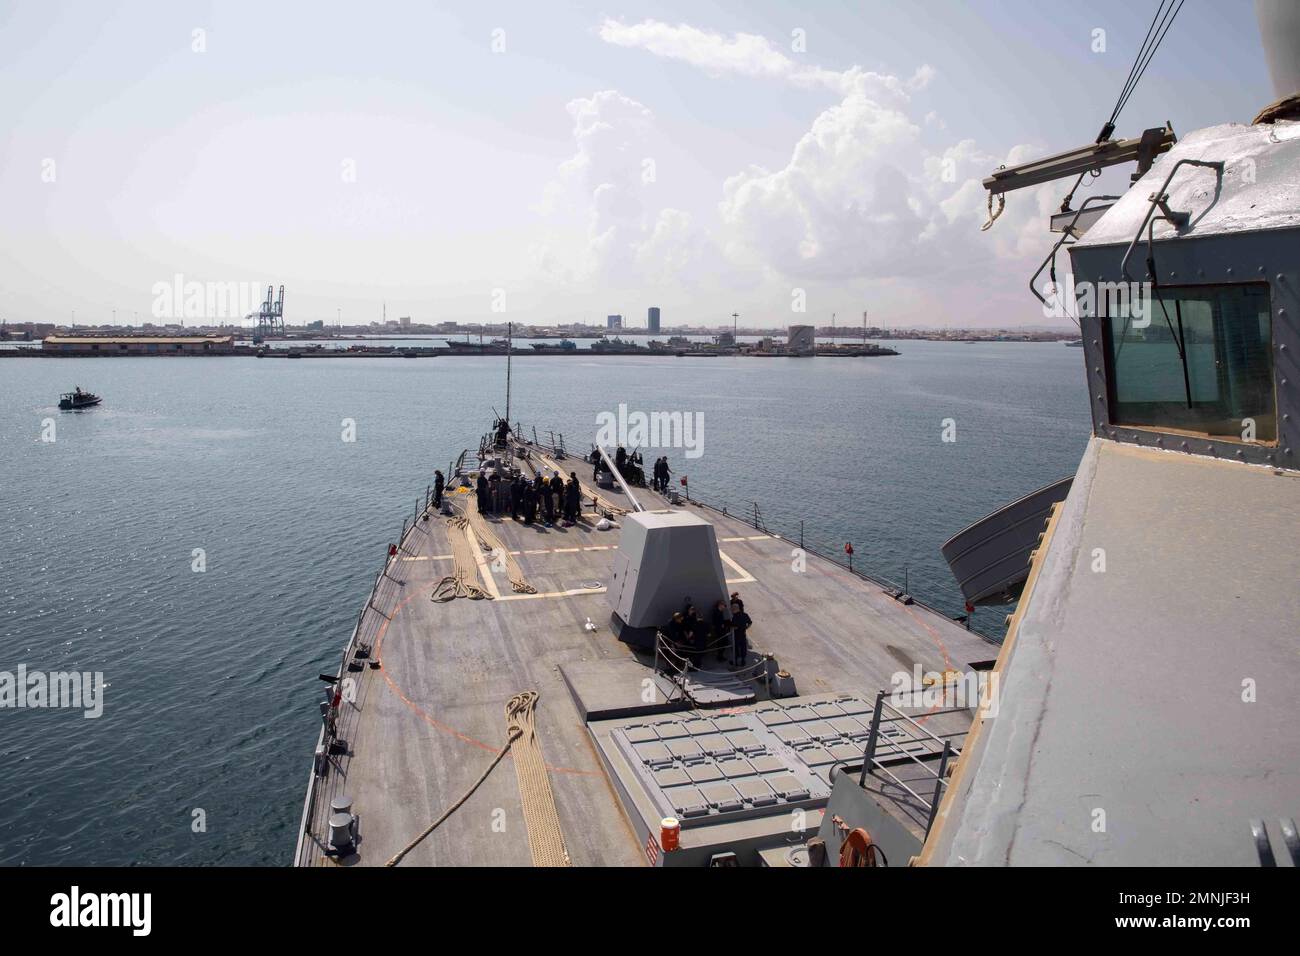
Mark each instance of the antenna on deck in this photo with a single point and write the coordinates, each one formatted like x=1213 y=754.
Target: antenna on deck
x=510 y=335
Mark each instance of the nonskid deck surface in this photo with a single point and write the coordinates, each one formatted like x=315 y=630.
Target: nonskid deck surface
x=424 y=727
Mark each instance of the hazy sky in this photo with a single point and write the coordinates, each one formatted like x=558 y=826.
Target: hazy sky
x=569 y=160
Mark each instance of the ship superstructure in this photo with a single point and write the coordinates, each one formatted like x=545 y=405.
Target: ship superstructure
x=1146 y=713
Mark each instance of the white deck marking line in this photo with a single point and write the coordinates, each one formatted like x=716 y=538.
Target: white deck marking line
x=448 y=557
x=552 y=594
x=484 y=570
x=745 y=576
x=752 y=537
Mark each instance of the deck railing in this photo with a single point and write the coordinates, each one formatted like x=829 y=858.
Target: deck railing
x=873 y=764
x=338 y=723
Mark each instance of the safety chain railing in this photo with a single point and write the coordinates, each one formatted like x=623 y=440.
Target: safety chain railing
x=678 y=666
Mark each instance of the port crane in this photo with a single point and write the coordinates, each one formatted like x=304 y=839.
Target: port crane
x=270 y=318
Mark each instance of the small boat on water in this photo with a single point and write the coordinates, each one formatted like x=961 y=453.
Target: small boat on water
x=78 y=399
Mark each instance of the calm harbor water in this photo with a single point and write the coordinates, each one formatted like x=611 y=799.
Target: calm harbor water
x=210 y=710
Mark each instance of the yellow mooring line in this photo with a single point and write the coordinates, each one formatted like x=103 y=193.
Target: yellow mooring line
x=545 y=838
x=464 y=578
x=496 y=550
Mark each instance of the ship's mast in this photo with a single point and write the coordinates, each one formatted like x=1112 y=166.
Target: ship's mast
x=510 y=330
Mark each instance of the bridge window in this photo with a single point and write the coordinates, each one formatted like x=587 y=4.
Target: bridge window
x=1194 y=359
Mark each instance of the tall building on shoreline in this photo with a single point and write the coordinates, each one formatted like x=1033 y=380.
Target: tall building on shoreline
x=652 y=319
x=613 y=322
x=802 y=339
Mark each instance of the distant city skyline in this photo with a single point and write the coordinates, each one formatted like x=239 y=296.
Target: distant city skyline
x=546 y=166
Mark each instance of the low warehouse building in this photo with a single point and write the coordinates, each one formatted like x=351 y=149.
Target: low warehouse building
x=140 y=344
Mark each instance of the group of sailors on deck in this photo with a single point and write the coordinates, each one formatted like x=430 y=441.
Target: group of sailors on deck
x=661 y=473
x=629 y=466
x=632 y=468
x=548 y=499
x=725 y=633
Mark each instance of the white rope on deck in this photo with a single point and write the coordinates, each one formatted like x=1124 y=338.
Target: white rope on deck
x=496 y=549
x=463 y=580
x=541 y=818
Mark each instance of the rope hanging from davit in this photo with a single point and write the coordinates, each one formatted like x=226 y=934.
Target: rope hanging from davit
x=1002 y=204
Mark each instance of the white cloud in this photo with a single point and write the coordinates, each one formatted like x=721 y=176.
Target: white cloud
x=745 y=54
x=844 y=204
x=922 y=78
x=751 y=55
x=862 y=195
x=629 y=238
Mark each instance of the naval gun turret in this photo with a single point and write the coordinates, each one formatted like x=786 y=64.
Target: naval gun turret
x=664 y=557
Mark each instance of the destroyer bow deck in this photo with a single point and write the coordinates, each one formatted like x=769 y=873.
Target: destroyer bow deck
x=421 y=729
